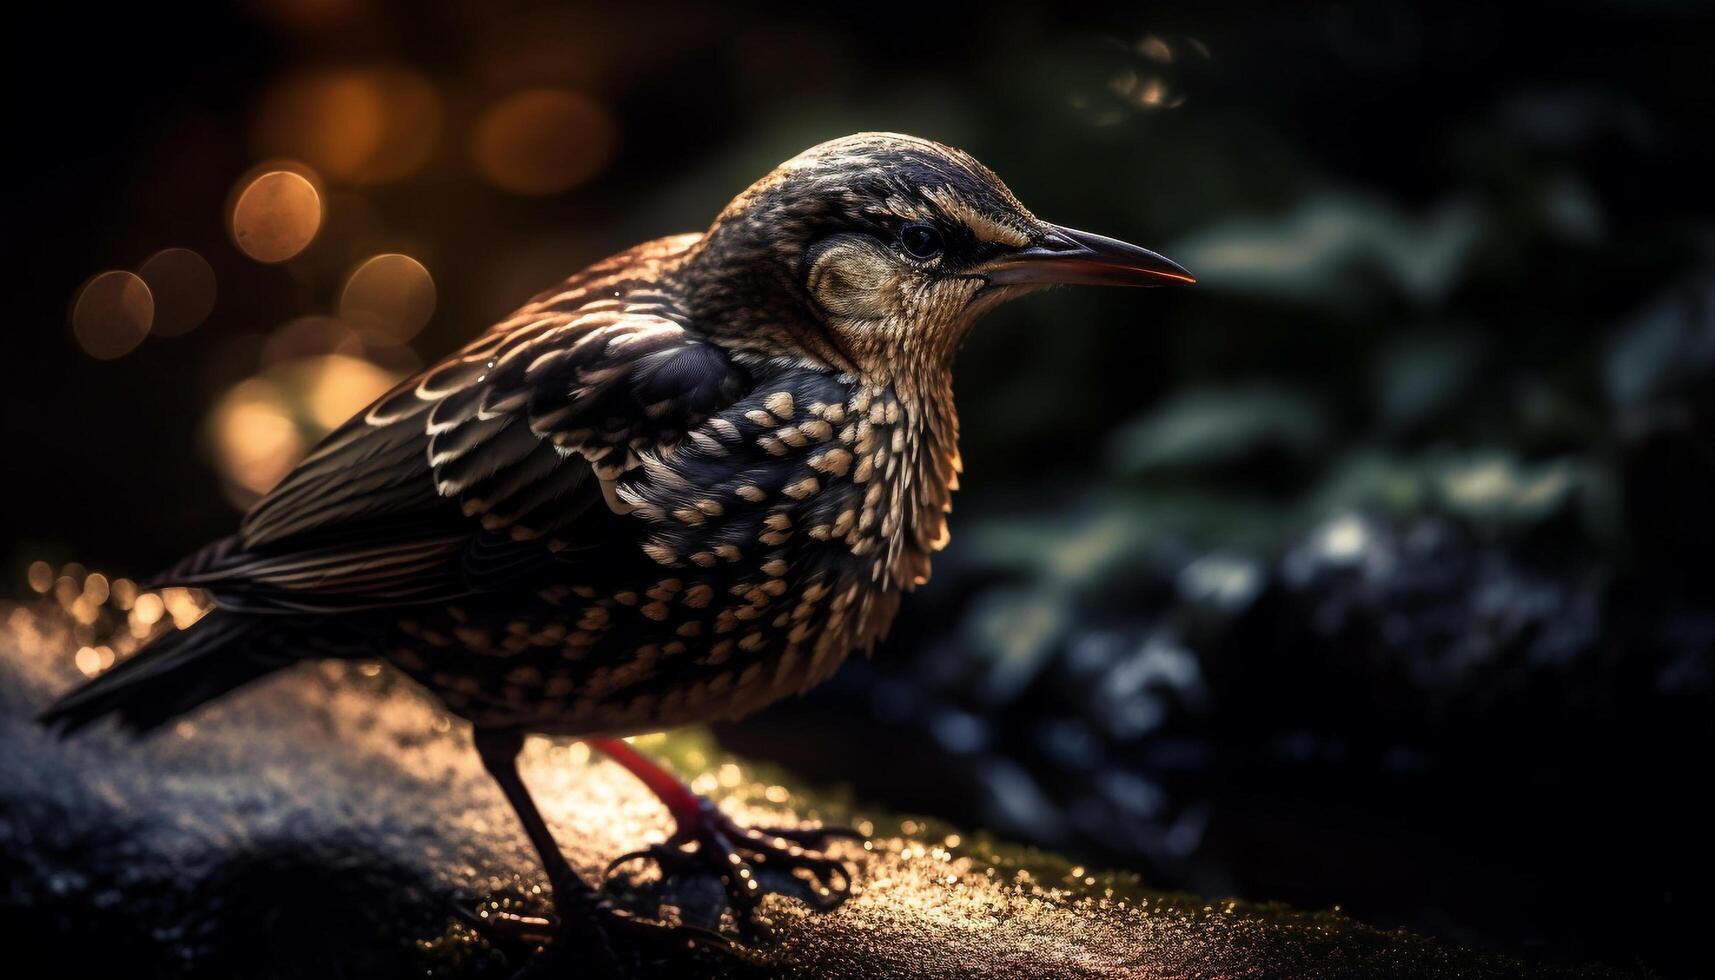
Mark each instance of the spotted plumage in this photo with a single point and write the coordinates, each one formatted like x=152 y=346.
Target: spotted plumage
x=689 y=480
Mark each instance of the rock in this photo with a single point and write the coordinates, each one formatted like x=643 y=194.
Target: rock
x=1234 y=720
x=331 y=821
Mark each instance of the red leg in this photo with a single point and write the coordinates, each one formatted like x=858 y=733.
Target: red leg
x=675 y=795
x=732 y=852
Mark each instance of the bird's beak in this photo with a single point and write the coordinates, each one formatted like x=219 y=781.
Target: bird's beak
x=1067 y=256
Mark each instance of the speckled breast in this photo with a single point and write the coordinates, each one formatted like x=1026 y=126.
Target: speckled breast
x=747 y=562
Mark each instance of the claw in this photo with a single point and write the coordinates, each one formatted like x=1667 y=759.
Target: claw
x=735 y=854
x=627 y=857
x=503 y=928
x=647 y=933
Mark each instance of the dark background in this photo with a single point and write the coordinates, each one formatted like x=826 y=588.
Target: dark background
x=1370 y=572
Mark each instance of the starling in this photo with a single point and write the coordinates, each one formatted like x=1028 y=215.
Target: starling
x=682 y=484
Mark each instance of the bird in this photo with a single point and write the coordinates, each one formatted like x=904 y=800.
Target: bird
x=685 y=482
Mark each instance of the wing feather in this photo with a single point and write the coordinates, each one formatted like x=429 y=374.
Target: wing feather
x=478 y=471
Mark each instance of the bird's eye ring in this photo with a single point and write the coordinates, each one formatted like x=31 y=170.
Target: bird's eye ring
x=921 y=241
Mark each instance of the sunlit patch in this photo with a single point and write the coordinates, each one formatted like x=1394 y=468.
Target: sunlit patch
x=183 y=287
x=276 y=215
x=388 y=299
x=112 y=314
x=542 y=141
x=357 y=125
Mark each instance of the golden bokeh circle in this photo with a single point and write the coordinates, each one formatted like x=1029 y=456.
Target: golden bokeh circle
x=388 y=299
x=542 y=141
x=357 y=125
x=309 y=336
x=340 y=387
x=262 y=427
x=255 y=439
x=182 y=283
x=112 y=314
x=276 y=216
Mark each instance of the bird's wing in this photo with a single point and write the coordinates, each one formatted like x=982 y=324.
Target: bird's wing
x=485 y=466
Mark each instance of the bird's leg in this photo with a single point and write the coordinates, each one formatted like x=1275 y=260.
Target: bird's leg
x=578 y=908
x=733 y=852
x=583 y=919
x=499 y=751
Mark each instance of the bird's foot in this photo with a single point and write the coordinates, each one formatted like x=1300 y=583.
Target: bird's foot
x=498 y=923
x=708 y=840
x=603 y=937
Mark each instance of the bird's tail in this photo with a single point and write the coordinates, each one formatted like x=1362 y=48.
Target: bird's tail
x=171 y=676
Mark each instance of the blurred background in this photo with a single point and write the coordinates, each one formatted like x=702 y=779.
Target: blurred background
x=1368 y=573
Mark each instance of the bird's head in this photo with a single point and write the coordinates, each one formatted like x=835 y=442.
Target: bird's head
x=886 y=248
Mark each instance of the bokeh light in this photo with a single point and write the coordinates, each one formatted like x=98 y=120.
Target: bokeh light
x=276 y=215
x=183 y=286
x=1146 y=76
x=310 y=336
x=311 y=15
x=256 y=442
x=148 y=609
x=357 y=125
x=112 y=314
x=93 y=660
x=388 y=299
x=542 y=141
x=340 y=387
x=265 y=424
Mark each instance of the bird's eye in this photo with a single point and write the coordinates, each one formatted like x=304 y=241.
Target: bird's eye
x=921 y=241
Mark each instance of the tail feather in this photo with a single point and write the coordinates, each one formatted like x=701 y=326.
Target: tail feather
x=170 y=676
x=203 y=567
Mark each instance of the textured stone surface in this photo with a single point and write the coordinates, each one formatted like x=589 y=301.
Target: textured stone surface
x=331 y=821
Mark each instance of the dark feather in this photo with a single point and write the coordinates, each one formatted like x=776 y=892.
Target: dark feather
x=169 y=677
x=474 y=475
